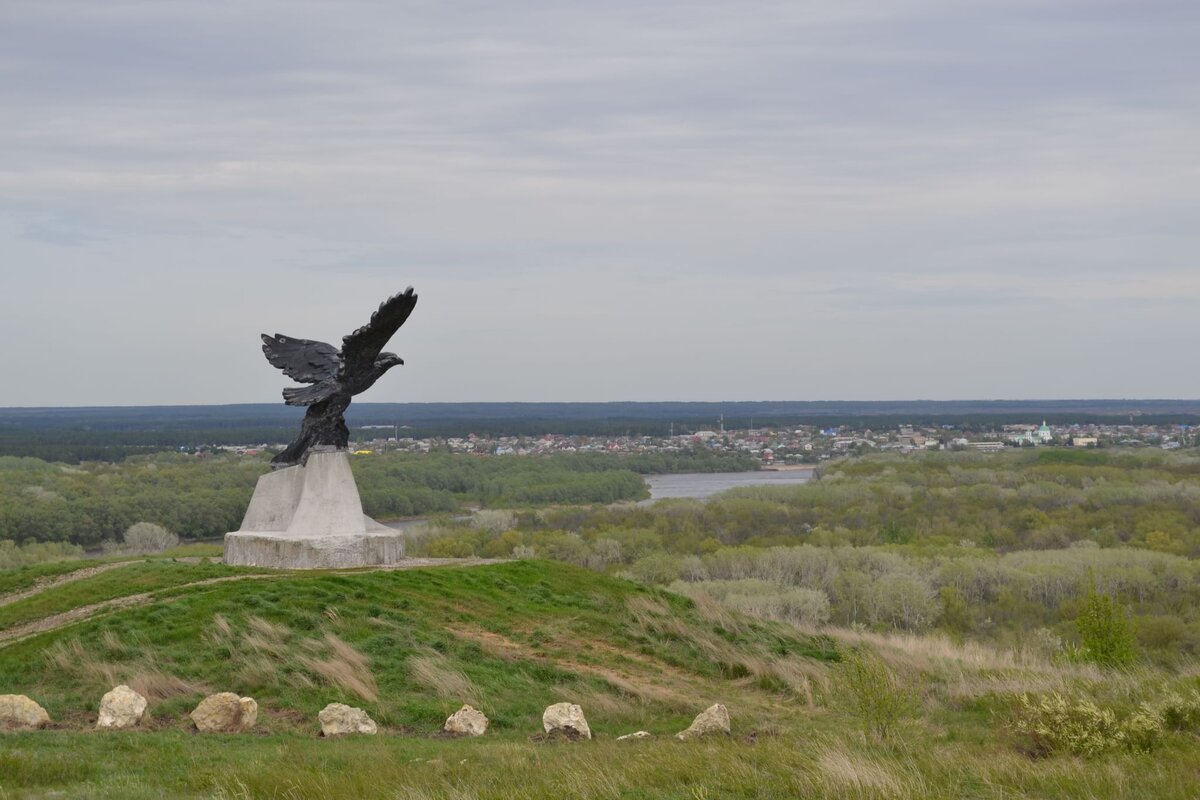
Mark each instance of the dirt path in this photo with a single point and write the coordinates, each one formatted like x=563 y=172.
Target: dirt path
x=50 y=583
x=65 y=618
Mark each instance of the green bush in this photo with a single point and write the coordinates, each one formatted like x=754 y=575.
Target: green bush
x=447 y=547
x=1056 y=723
x=1105 y=630
x=13 y=555
x=1180 y=712
x=871 y=691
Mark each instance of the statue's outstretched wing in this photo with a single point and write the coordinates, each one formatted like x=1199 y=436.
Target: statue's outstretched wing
x=302 y=359
x=360 y=349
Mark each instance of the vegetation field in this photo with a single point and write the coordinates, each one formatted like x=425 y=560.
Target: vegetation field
x=841 y=713
x=1005 y=548
x=952 y=626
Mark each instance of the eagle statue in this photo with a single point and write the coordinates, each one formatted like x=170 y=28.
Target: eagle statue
x=334 y=375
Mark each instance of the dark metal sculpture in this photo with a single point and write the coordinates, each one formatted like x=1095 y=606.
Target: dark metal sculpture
x=335 y=375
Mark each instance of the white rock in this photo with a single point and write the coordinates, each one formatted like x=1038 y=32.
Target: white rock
x=225 y=713
x=20 y=713
x=714 y=719
x=338 y=719
x=566 y=717
x=249 y=712
x=121 y=708
x=637 y=735
x=467 y=721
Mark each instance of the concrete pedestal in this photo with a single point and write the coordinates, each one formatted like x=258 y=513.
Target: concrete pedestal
x=311 y=517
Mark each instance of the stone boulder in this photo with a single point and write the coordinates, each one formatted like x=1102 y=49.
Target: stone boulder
x=121 y=708
x=18 y=712
x=467 y=721
x=338 y=719
x=637 y=735
x=249 y=711
x=567 y=719
x=225 y=713
x=714 y=719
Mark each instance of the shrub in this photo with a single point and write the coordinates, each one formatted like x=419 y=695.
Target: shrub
x=760 y=598
x=13 y=555
x=1106 y=632
x=1180 y=712
x=656 y=569
x=1143 y=729
x=146 y=537
x=494 y=520
x=604 y=552
x=872 y=692
x=1056 y=723
x=449 y=547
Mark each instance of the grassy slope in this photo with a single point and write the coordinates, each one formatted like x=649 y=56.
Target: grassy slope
x=511 y=637
x=411 y=646
x=145 y=576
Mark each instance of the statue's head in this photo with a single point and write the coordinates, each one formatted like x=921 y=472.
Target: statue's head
x=388 y=360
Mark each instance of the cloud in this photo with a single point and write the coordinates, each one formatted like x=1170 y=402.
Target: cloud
x=581 y=185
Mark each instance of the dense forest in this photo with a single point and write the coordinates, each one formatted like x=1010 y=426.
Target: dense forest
x=206 y=497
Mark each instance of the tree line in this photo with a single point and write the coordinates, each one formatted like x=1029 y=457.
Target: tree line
x=89 y=503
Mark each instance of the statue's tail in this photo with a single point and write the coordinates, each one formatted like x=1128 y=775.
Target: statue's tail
x=308 y=395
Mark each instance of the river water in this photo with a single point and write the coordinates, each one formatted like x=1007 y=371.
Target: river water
x=700 y=485
x=697 y=485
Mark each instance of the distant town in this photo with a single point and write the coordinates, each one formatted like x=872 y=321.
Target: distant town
x=777 y=447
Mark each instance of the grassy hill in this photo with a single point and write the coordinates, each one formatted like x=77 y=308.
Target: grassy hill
x=410 y=646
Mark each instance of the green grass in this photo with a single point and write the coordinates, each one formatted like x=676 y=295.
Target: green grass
x=14 y=580
x=196 y=550
x=810 y=762
x=144 y=576
x=511 y=637
x=411 y=646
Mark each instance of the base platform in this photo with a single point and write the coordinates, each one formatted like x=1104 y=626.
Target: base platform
x=310 y=517
x=286 y=551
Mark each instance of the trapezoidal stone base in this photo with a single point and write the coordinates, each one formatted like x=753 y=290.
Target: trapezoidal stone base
x=284 y=551
x=310 y=517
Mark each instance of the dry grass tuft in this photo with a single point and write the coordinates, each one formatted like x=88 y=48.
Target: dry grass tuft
x=266 y=637
x=641 y=605
x=807 y=678
x=712 y=611
x=262 y=655
x=224 y=629
x=959 y=672
x=341 y=665
x=153 y=684
x=269 y=630
x=652 y=618
x=599 y=702
x=111 y=642
x=431 y=669
x=930 y=651
x=141 y=675
x=843 y=770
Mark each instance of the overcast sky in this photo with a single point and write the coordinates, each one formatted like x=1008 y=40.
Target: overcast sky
x=703 y=200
